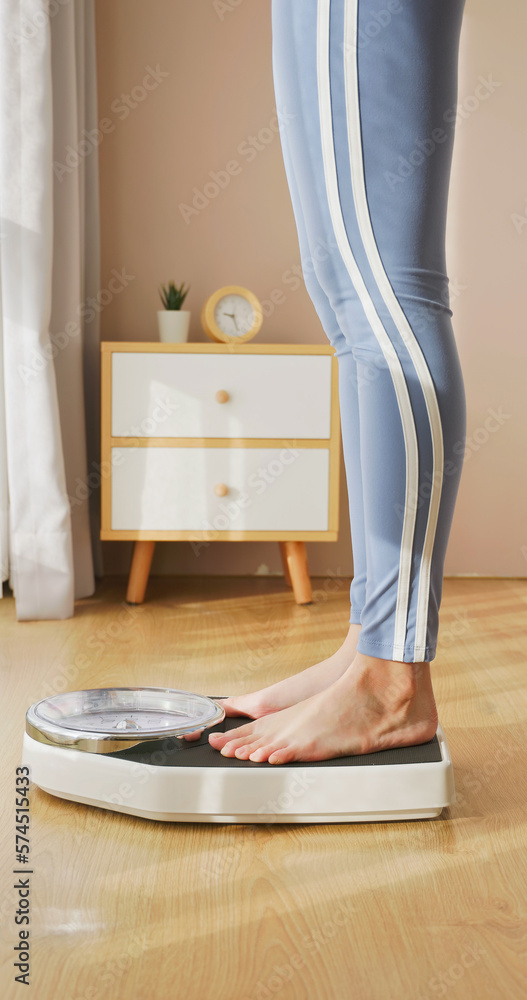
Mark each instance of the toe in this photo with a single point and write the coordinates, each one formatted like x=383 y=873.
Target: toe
x=247 y=749
x=217 y=740
x=191 y=736
x=260 y=754
x=283 y=756
x=229 y=748
x=273 y=754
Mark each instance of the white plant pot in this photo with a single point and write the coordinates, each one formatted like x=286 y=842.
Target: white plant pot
x=173 y=325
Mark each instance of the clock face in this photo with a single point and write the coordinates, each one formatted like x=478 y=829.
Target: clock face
x=234 y=315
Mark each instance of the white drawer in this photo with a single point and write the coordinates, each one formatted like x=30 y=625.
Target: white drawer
x=172 y=489
x=174 y=395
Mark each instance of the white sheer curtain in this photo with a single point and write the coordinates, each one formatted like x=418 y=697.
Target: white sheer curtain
x=49 y=264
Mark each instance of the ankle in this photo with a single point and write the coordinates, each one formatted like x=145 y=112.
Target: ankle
x=394 y=680
x=353 y=633
x=373 y=664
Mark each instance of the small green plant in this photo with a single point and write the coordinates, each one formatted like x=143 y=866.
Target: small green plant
x=173 y=297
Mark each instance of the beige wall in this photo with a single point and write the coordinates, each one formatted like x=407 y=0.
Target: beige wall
x=217 y=93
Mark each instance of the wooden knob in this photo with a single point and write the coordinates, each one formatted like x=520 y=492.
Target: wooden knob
x=222 y=396
x=221 y=490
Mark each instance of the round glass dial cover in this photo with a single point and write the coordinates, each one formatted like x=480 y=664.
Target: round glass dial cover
x=234 y=315
x=105 y=719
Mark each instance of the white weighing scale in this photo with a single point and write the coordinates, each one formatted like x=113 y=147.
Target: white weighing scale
x=122 y=749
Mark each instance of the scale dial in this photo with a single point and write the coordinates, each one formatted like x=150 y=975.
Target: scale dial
x=102 y=720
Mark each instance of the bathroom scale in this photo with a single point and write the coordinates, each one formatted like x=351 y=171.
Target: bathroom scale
x=122 y=749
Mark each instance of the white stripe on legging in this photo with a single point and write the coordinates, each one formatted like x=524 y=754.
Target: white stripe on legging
x=387 y=348
x=398 y=316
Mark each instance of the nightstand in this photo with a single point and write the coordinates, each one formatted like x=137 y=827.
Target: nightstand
x=208 y=442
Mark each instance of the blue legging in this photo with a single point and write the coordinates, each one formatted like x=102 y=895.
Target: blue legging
x=366 y=95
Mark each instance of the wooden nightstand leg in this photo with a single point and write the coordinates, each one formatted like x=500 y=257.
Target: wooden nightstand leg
x=295 y=558
x=139 y=571
x=283 y=553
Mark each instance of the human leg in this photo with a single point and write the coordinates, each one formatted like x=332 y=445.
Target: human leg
x=362 y=112
x=312 y=251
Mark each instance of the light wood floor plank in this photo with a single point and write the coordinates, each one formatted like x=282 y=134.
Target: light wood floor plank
x=132 y=909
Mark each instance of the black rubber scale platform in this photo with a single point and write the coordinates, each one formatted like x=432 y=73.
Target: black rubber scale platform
x=199 y=753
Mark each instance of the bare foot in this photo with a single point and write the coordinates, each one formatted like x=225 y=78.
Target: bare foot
x=374 y=705
x=298 y=687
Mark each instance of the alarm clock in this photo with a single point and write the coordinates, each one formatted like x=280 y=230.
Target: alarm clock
x=232 y=315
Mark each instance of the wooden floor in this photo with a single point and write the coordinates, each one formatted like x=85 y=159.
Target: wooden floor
x=130 y=908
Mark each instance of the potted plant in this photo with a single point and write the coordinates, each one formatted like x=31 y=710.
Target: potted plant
x=173 y=321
